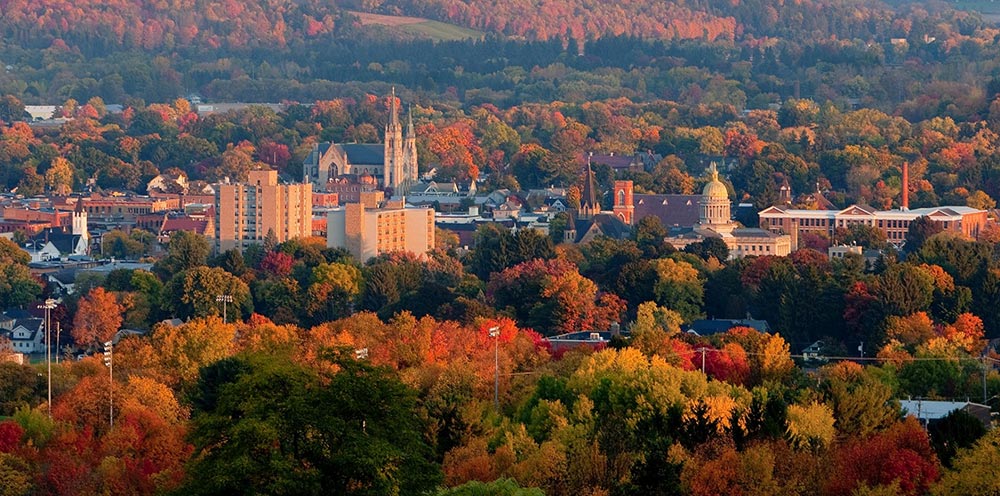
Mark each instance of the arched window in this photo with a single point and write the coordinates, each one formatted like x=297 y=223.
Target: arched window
x=621 y=197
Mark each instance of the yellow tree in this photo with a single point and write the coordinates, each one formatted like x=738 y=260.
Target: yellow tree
x=185 y=349
x=98 y=318
x=59 y=177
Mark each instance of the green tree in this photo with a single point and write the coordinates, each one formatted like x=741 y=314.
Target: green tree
x=17 y=286
x=186 y=250
x=500 y=487
x=679 y=288
x=193 y=293
x=265 y=424
x=974 y=469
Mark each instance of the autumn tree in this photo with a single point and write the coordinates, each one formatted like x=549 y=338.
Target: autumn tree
x=98 y=318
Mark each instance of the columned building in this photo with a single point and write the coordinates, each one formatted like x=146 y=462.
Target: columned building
x=894 y=223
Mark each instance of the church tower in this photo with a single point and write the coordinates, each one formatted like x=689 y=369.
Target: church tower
x=590 y=204
x=79 y=222
x=624 y=208
x=410 y=150
x=392 y=173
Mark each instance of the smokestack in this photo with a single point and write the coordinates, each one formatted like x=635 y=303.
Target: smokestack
x=906 y=187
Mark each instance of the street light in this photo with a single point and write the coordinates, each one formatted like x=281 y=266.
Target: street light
x=47 y=323
x=495 y=334
x=224 y=299
x=109 y=361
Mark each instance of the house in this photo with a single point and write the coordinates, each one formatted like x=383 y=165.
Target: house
x=28 y=336
x=168 y=183
x=596 y=340
x=928 y=411
x=707 y=327
x=814 y=352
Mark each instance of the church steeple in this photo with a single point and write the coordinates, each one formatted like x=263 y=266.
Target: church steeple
x=589 y=203
x=392 y=169
x=409 y=123
x=393 y=110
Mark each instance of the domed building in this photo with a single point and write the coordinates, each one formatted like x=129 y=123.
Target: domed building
x=715 y=221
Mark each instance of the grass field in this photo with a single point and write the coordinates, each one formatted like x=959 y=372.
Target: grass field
x=418 y=26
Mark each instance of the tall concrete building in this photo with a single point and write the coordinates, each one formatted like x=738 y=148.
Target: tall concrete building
x=246 y=212
x=369 y=232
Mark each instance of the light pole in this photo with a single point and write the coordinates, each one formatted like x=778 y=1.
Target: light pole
x=48 y=306
x=495 y=334
x=224 y=299
x=109 y=360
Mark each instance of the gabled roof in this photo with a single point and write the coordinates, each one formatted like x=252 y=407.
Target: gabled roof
x=857 y=210
x=705 y=327
x=364 y=154
x=673 y=210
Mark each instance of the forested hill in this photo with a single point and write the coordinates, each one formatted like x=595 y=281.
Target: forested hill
x=681 y=19
x=166 y=25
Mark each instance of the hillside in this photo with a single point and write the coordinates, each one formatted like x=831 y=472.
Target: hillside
x=418 y=26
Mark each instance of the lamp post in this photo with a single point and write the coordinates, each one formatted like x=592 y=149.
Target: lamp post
x=109 y=360
x=224 y=299
x=47 y=323
x=495 y=334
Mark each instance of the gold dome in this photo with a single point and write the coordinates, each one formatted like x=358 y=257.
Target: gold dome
x=715 y=189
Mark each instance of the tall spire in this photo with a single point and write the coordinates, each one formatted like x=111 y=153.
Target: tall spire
x=588 y=197
x=409 y=122
x=394 y=111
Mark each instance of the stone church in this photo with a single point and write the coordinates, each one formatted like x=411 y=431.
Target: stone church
x=393 y=164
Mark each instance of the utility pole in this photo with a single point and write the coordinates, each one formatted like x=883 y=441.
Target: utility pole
x=224 y=299
x=48 y=306
x=495 y=334
x=109 y=361
x=984 y=378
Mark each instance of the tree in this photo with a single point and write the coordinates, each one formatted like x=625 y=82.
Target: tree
x=194 y=293
x=59 y=177
x=181 y=351
x=11 y=109
x=901 y=455
x=17 y=286
x=186 y=250
x=959 y=430
x=920 y=230
x=9 y=250
x=499 y=487
x=679 y=288
x=263 y=423
x=551 y=296
x=98 y=318
x=974 y=469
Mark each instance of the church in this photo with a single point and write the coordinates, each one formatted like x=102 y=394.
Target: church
x=392 y=164
x=715 y=221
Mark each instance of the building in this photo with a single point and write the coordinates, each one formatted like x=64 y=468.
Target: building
x=589 y=221
x=247 y=213
x=894 y=223
x=708 y=327
x=369 y=232
x=393 y=163
x=27 y=336
x=715 y=221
